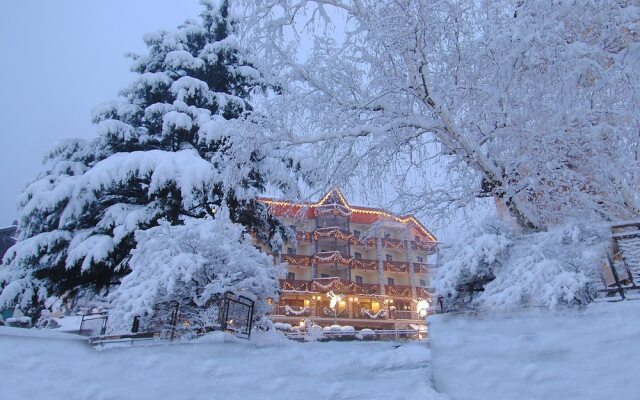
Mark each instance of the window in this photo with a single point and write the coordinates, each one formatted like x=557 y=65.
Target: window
x=293 y=228
x=324 y=275
x=356 y=233
x=419 y=259
x=291 y=276
x=357 y=256
x=390 y=281
x=423 y=283
x=358 y=280
x=389 y=257
x=387 y=235
x=291 y=251
x=417 y=238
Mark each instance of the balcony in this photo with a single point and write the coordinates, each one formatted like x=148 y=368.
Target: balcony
x=356 y=264
x=326 y=284
x=339 y=233
x=294 y=259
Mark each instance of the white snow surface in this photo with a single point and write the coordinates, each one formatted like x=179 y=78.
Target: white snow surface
x=214 y=367
x=537 y=354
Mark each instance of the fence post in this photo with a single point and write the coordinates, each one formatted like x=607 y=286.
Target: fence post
x=615 y=276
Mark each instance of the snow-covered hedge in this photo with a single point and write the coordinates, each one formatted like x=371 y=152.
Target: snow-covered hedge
x=495 y=267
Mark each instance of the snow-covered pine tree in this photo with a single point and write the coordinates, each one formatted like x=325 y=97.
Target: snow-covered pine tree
x=180 y=142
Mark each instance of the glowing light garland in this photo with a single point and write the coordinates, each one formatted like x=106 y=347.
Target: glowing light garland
x=398 y=291
x=365 y=313
x=333 y=257
x=333 y=209
x=358 y=210
x=297 y=260
x=302 y=311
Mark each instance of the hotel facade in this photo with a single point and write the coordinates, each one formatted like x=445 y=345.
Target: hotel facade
x=352 y=265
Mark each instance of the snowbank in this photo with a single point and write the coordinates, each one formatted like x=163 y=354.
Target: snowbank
x=537 y=355
x=214 y=368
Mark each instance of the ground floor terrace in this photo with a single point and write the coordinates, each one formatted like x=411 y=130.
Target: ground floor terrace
x=358 y=305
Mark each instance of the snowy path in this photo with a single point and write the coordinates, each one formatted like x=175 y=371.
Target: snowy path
x=47 y=368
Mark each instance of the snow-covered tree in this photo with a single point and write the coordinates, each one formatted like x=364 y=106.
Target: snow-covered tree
x=181 y=142
x=531 y=103
x=194 y=265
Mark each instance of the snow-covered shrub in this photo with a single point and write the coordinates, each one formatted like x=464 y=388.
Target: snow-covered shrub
x=193 y=264
x=495 y=267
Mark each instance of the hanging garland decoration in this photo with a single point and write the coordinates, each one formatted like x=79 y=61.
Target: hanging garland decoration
x=393 y=244
x=399 y=291
x=333 y=285
x=353 y=287
x=424 y=293
x=334 y=232
x=367 y=314
x=335 y=256
x=328 y=312
x=288 y=310
x=302 y=236
x=297 y=260
x=333 y=209
x=395 y=267
x=426 y=246
x=420 y=268
x=363 y=264
x=293 y=286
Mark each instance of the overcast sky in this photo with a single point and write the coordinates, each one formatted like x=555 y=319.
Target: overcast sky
x=59 y=60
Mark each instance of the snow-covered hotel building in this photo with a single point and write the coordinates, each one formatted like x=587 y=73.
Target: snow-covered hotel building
x=373 y=264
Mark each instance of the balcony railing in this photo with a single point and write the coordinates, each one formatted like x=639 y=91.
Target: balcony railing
x=350 y=311
x=294 y=259
x=355 y=263
x=397 y=290
x=342 y=234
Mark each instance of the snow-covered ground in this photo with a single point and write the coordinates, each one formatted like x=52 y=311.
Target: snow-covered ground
x=40 y=365
x=536 y=355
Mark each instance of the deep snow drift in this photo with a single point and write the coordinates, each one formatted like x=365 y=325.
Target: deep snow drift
x=537 y=355
x=50 y=368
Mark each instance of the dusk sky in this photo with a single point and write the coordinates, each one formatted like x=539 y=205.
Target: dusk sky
x=61 y=59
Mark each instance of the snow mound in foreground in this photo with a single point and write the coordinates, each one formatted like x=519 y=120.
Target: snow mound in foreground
x=538 y=355
x=55 y=369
